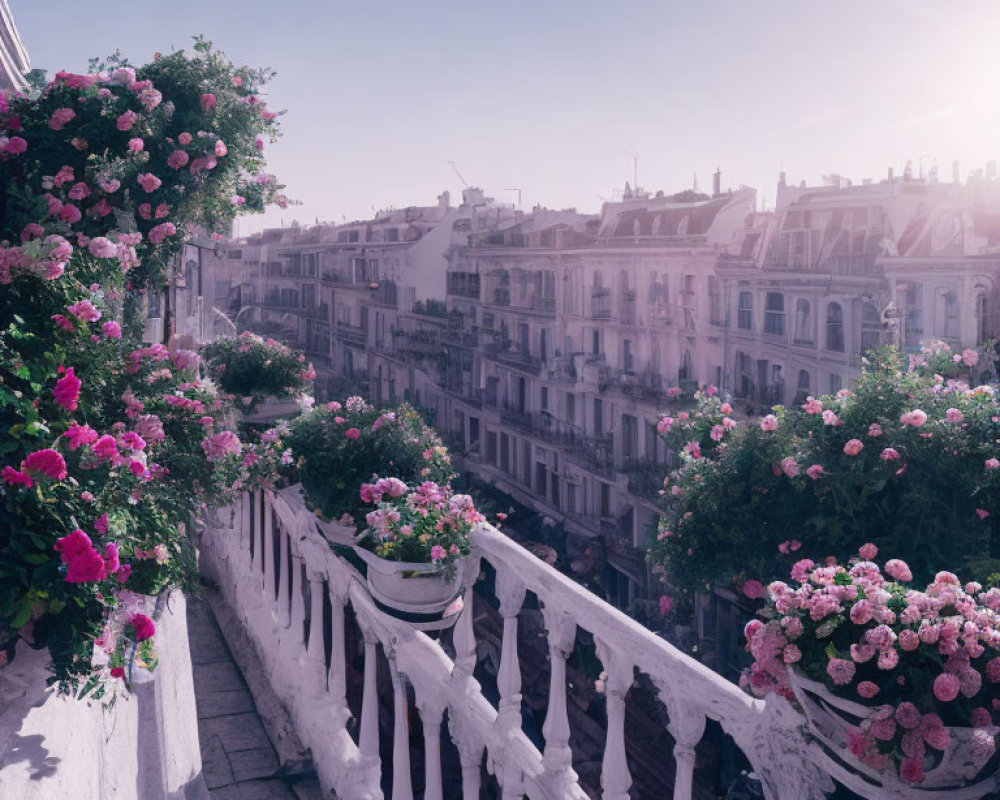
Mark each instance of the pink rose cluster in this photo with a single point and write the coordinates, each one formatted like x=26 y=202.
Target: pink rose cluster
x=858 y=623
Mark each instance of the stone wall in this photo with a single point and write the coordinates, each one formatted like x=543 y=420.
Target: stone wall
x=145 y=747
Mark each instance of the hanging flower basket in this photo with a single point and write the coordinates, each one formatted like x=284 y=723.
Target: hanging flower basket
x=834 y=722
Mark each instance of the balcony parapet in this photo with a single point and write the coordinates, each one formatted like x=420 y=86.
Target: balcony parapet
x=277 y=571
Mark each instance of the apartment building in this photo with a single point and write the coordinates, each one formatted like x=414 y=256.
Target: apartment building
x=838 y=269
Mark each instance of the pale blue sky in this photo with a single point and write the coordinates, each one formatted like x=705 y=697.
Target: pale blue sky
x=554 y=97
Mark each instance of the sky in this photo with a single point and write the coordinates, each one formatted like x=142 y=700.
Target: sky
x=389 y=102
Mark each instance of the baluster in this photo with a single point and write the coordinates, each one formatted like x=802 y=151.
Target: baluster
x=510 y=592
x=337 y=678
x=245 y=526
x=615 y=777
x=686 y=726
x=562 y=635
x=470 y=753
x=298 y=612
x=431 y=715
x=284 y=605
x=402 y=788
x=315 y=646
x=465 y=635
x=267 y=551
x=252 y=528
x=368 y=738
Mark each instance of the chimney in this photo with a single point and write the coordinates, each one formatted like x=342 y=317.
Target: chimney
x=955 y=174
x=781 y=178
x=890 y=175
x=717 y=182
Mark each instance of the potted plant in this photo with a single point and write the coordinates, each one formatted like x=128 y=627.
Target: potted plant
x=254 y=369
x=901 y=684
x=337 y=447
x=415 y=544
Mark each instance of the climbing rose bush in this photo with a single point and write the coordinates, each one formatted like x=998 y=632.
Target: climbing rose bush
x=924 y=661
x=908 y=460
x=102 y=468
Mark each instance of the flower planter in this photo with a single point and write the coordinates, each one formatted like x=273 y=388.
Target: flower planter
x=418 y=592
x=951 y=773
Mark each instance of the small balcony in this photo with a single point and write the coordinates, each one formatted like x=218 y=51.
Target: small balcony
x=351 y=335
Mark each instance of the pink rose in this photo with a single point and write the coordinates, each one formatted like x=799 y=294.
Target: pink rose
x=867 y=690
x=67 y=390
x=889 y=454
x=207 y=102
x=769 y=423
x=899 y=570
x=126 y=120
x=992 y=463
x=136 y=145
x=868 y=552
x=815 y=472
x=145 y=628
x=840 y=670
x=112 y=330
x=47 y=462
x=753 y=589
x=946 y=687
x=853 y=447
x=149 y=182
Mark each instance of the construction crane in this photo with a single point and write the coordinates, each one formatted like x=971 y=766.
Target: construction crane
x=454 y=166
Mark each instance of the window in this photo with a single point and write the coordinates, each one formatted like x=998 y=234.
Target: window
x=803 y=322
x=835 y=328
x=628 y=357
x=805 y=382
x=744 y=316
x=948 y=327
x=871 y=327
x=774 y=313
x=715 y=301
x=836 y=383
x=913 y=322
x=544 y=402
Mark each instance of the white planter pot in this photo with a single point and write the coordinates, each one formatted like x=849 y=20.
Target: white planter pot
x=951 y=774
x=414 y=588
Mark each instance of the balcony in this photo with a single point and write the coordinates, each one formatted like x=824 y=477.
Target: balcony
x=310 y=619
x=350 y=335
x=525 y=362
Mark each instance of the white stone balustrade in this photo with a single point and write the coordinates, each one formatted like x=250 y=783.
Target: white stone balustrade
x=770 y=733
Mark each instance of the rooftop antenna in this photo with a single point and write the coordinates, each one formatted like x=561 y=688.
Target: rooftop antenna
x=465 y=183
x=513 y=189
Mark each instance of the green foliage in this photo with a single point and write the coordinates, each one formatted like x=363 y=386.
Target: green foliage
x=251 y=366
x=80 y=238
x=338 y=447
x=745 y=499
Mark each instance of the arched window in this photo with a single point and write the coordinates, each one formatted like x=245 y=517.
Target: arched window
x=835 y=328
x=803 y=322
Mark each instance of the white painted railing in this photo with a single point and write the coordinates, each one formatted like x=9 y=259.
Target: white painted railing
x=281 y=602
